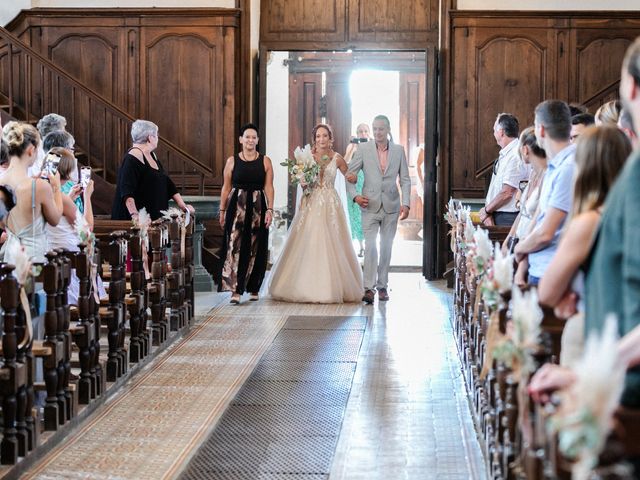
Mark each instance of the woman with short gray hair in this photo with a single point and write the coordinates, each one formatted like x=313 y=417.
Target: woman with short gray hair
x=142 y=182
x=51 y=122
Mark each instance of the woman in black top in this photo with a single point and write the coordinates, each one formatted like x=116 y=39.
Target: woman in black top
x=142 y=182
x=245 y=214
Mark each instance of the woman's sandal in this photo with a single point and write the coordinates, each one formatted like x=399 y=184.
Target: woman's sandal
x=254 y=297
x=235 y=299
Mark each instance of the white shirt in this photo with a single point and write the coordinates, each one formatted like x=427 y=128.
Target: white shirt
x=510 y=170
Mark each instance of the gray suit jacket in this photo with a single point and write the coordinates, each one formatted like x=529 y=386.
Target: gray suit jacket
x=381 y=188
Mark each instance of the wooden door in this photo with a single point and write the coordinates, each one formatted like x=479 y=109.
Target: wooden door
x=305 y=93
x=412 y=110
x=338 y=108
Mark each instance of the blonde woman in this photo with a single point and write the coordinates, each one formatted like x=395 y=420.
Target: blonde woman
x=600 y=155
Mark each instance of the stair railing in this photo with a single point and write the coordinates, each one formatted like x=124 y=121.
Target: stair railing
x=31 y=86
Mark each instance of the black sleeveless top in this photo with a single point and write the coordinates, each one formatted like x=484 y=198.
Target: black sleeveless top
x=150 y=188
x=248 y=175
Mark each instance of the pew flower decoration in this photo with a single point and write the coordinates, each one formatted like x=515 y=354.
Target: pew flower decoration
x=451 y=218
x=499 y=278
x=450 y=215
x=467 y=234
x=480 y=252
x=167 y=214
x=303 y=169
x=517 y=347
x=83 y=230
x=584 y=419
x=143 y=222
x=23 y=273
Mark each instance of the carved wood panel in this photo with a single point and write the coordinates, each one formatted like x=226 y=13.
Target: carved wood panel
x=320 y=20
x=177 y=68
x=496 y=71
x=596 y=64
x=349 y=23
x=389 y=20
x=181 y=87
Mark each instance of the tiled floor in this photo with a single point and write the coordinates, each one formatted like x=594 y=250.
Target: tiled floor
x=407 y=415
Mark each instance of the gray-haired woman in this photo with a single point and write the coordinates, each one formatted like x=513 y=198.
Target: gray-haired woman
x=142 y=182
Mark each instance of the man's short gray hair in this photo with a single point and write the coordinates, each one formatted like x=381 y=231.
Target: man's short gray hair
x=59 y=138
x=142 y=129
x=50 y=123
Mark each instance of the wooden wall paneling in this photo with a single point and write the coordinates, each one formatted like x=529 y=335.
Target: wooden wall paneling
x=506 y=70
x=596 y=60
x=392 y=21
x=306 y=20
x=182 y=71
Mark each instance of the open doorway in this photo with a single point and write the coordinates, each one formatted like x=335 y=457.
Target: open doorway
x=345 y=89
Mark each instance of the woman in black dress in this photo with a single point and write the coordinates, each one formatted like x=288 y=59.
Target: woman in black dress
x=246 y=211
x=142 y=182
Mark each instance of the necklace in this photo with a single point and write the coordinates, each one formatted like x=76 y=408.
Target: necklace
x=252 y=159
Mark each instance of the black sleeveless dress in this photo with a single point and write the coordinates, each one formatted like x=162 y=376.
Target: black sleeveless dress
x=245 y=249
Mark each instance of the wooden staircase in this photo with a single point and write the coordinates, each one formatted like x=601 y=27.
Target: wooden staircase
x=32 y=86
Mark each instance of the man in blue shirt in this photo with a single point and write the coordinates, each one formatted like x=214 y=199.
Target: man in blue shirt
x=552 y=128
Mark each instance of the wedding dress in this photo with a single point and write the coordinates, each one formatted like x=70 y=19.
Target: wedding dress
x=318 y=263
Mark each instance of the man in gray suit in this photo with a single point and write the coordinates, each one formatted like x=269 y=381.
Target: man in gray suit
x=382 y=162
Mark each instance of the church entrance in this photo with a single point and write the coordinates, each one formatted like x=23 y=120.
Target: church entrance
x=345 y=89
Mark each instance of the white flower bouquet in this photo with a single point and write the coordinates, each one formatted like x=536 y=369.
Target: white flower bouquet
x=304 y=170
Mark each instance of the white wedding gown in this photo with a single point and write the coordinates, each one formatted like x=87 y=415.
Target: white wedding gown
x=318 y=263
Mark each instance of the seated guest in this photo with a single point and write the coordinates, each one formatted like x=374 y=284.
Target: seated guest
x=49 y=123
x=508 y=171
x=608 y=113
x=552 y=128
x=142 y=182
x=64 y=235
x=600 y=155
x=625 y=123
x=579 y=123
x=531 y=154
x=38 y=201
x=577 y=108
x=4 y=158
x=612 y=280
x=58 y=138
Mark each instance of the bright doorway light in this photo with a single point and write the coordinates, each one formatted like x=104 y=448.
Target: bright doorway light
x=375 y=92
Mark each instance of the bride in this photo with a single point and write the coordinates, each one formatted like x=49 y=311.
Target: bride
x=318 y=263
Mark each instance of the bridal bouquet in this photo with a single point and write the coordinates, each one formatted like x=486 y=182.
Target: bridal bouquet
x=303 y=168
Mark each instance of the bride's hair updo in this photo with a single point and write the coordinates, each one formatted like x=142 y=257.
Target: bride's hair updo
x=315 y=131
x=18 y=136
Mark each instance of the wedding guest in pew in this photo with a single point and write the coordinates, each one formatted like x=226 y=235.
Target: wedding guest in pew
x=625 y=123
x=38 y=201
x=142 y=181
x=552 y=129
x=64 y=235
x=58 y=138
x=536 y=158
x=612 y=280
x=508 y=171
x=579 y=123
x=608 y=113
x=600 y=156
x=4 y=158
x=52 y=122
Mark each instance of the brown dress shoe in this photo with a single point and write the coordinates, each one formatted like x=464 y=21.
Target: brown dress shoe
x=369 y=296
x=383 y=296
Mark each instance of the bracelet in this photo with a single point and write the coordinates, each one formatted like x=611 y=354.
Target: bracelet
x=222 y=211
x=270 y=210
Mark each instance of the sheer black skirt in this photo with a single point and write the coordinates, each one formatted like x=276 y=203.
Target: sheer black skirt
x=246 y=242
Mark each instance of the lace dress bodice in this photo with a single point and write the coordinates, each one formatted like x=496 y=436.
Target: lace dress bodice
x=328 y=173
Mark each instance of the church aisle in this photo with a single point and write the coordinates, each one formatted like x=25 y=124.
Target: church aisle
x=407 y=416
